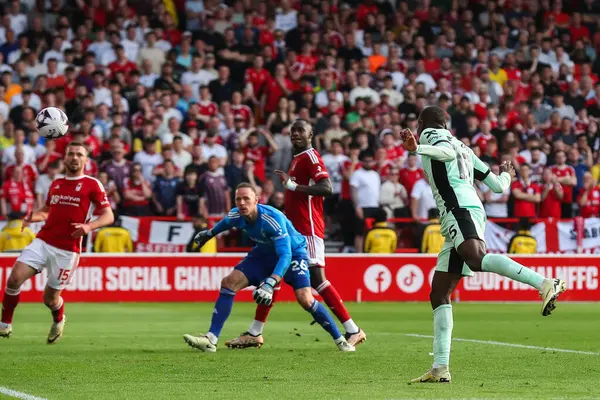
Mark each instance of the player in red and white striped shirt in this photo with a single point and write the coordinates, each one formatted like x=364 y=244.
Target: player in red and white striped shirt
x=307 y=183
x=70 y=204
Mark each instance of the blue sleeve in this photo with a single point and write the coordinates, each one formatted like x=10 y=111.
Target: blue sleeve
x=281 y=239
x=230 y=221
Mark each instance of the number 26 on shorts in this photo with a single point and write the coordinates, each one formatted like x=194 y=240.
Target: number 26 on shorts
x=299 y=265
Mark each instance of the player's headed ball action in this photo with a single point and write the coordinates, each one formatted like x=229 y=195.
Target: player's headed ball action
x=451 y=168
x=279 y=254
x=58 y=244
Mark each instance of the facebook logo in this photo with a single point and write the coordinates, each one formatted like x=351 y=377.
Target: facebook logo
x=377 y=278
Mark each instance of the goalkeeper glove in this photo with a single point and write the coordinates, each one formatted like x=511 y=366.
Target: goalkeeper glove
x=263 y=294
x=202 y=237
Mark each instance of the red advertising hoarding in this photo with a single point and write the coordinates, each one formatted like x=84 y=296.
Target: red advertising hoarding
x=182 y=277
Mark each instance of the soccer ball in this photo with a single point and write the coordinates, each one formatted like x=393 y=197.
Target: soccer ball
x=52 y=123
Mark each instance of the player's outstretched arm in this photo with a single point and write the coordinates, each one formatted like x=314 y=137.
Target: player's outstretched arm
x=440 y=149
x=40 y=215
x=497 y=183
x=230 y=221
x=322 y=188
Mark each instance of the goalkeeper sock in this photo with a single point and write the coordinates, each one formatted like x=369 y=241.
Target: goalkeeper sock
x=442 y=335
x=505 y=266
x=221 y=311
x=324 y=319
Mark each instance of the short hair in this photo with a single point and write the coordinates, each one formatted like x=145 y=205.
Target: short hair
x=54 y=164
x=246 y=185
x=78 y=144
x=433 y=117
x=380 y=215
x=524 y=224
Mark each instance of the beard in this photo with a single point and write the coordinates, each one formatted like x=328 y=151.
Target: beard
x=74 y=168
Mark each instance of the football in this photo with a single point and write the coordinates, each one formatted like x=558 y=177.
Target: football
x=52 y=123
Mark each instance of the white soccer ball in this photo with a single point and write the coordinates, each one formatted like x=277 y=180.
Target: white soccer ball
x=52 y=123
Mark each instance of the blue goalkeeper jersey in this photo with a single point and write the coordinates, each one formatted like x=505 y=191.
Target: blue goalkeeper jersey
x=273 y=233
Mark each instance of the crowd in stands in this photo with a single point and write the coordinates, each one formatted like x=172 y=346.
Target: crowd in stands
x=178 y=101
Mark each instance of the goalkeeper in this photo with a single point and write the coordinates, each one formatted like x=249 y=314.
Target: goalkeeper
x=279 y=253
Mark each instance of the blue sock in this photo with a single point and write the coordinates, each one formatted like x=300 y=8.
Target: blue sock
x=221 y=311
x=324 y=319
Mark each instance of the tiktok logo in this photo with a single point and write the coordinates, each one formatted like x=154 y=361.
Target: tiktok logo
x=410 y=278
x=377 y=278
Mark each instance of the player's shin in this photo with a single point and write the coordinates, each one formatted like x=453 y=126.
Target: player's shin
x=334 y=301
x=221 y=312
x=324 y=319
x=505 y=266
x=261 y=315
x=9 y=303
x=58 y=311
x=442 y=335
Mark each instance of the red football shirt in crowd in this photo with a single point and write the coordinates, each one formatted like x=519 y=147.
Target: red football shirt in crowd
x=345 y=193
x=208 y=108
x=18 y=195
x=257 y=154
x=408 y=178
x=274 y=93
x=304 y=211
x=243 y=111
x=591 y=208
x=30 y=174
x=137 y=188
x=258 y=79
x=561 y=173
x=71 y=200
x=550 y=206
x=523 y=208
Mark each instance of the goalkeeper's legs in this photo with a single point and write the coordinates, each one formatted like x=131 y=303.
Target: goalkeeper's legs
x=473 y=252
x=320 y=314
x=19 y=274
x=230 y=285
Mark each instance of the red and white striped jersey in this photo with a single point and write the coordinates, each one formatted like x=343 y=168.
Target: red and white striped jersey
x=306 y=212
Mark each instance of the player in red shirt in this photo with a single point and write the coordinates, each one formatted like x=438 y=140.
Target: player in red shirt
x=70 y=203
x=589 y=197
x=411 y=174
x=307 y=182
x=551 y=196
x=526 y=194
x=568 y=180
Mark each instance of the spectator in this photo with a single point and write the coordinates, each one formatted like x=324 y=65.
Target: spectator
x=526 y=194
x=110 y=188
x=380 y=239
x=410 y=175
x=152 y=54
x=365 y=184
x=136 y=193
x=113 y=239
x=363 y=91
x=257 y=153
x=148 y=159
x=188 y=194
x=564 y=110
x=234 y=171
x=181 y=157
x=17 y=196
x=211 y=148
x=277 y=200
x=568 y=180
x=421 y=200
x=42 y=184
x=333 y=162
x=8 y=155
x=14 y=237
x=495 y=204
x=432 y=240
x=117 y=168
x=523 y=242
x=393 y=198
x=575 y=160
x=222 y=88
x=30 y=173
x=551 y=196
x=164 y=190
x=199 y=223
x=216 y=196
x=589 y=197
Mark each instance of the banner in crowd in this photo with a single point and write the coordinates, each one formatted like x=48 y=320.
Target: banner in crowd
x=161 y=278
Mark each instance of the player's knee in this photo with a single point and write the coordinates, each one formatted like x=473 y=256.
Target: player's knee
x=475 y=259
x=228 y=282
x=14 y=281
x=437 y=298
x=305 y=298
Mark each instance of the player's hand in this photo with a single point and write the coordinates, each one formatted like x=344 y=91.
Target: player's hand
x=27 y=221
x=202 y=237
x=263 y=294
x=410 y=141
x=80 y=230
x=282 y=176
x=507 y=166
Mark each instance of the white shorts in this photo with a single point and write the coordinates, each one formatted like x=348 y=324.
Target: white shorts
x=316 y=250
x=60 y=263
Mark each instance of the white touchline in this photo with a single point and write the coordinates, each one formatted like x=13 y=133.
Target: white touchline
x=19 y=395
x=520 y=346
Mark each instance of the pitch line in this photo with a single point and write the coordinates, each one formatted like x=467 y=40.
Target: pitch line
x=516 y=345
x=19 y=395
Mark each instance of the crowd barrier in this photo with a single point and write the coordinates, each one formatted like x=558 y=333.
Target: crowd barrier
x=188 y=278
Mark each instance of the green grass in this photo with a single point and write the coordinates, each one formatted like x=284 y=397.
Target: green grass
x=136 y=351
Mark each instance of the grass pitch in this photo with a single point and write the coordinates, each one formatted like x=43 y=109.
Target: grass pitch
x=136 y=351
